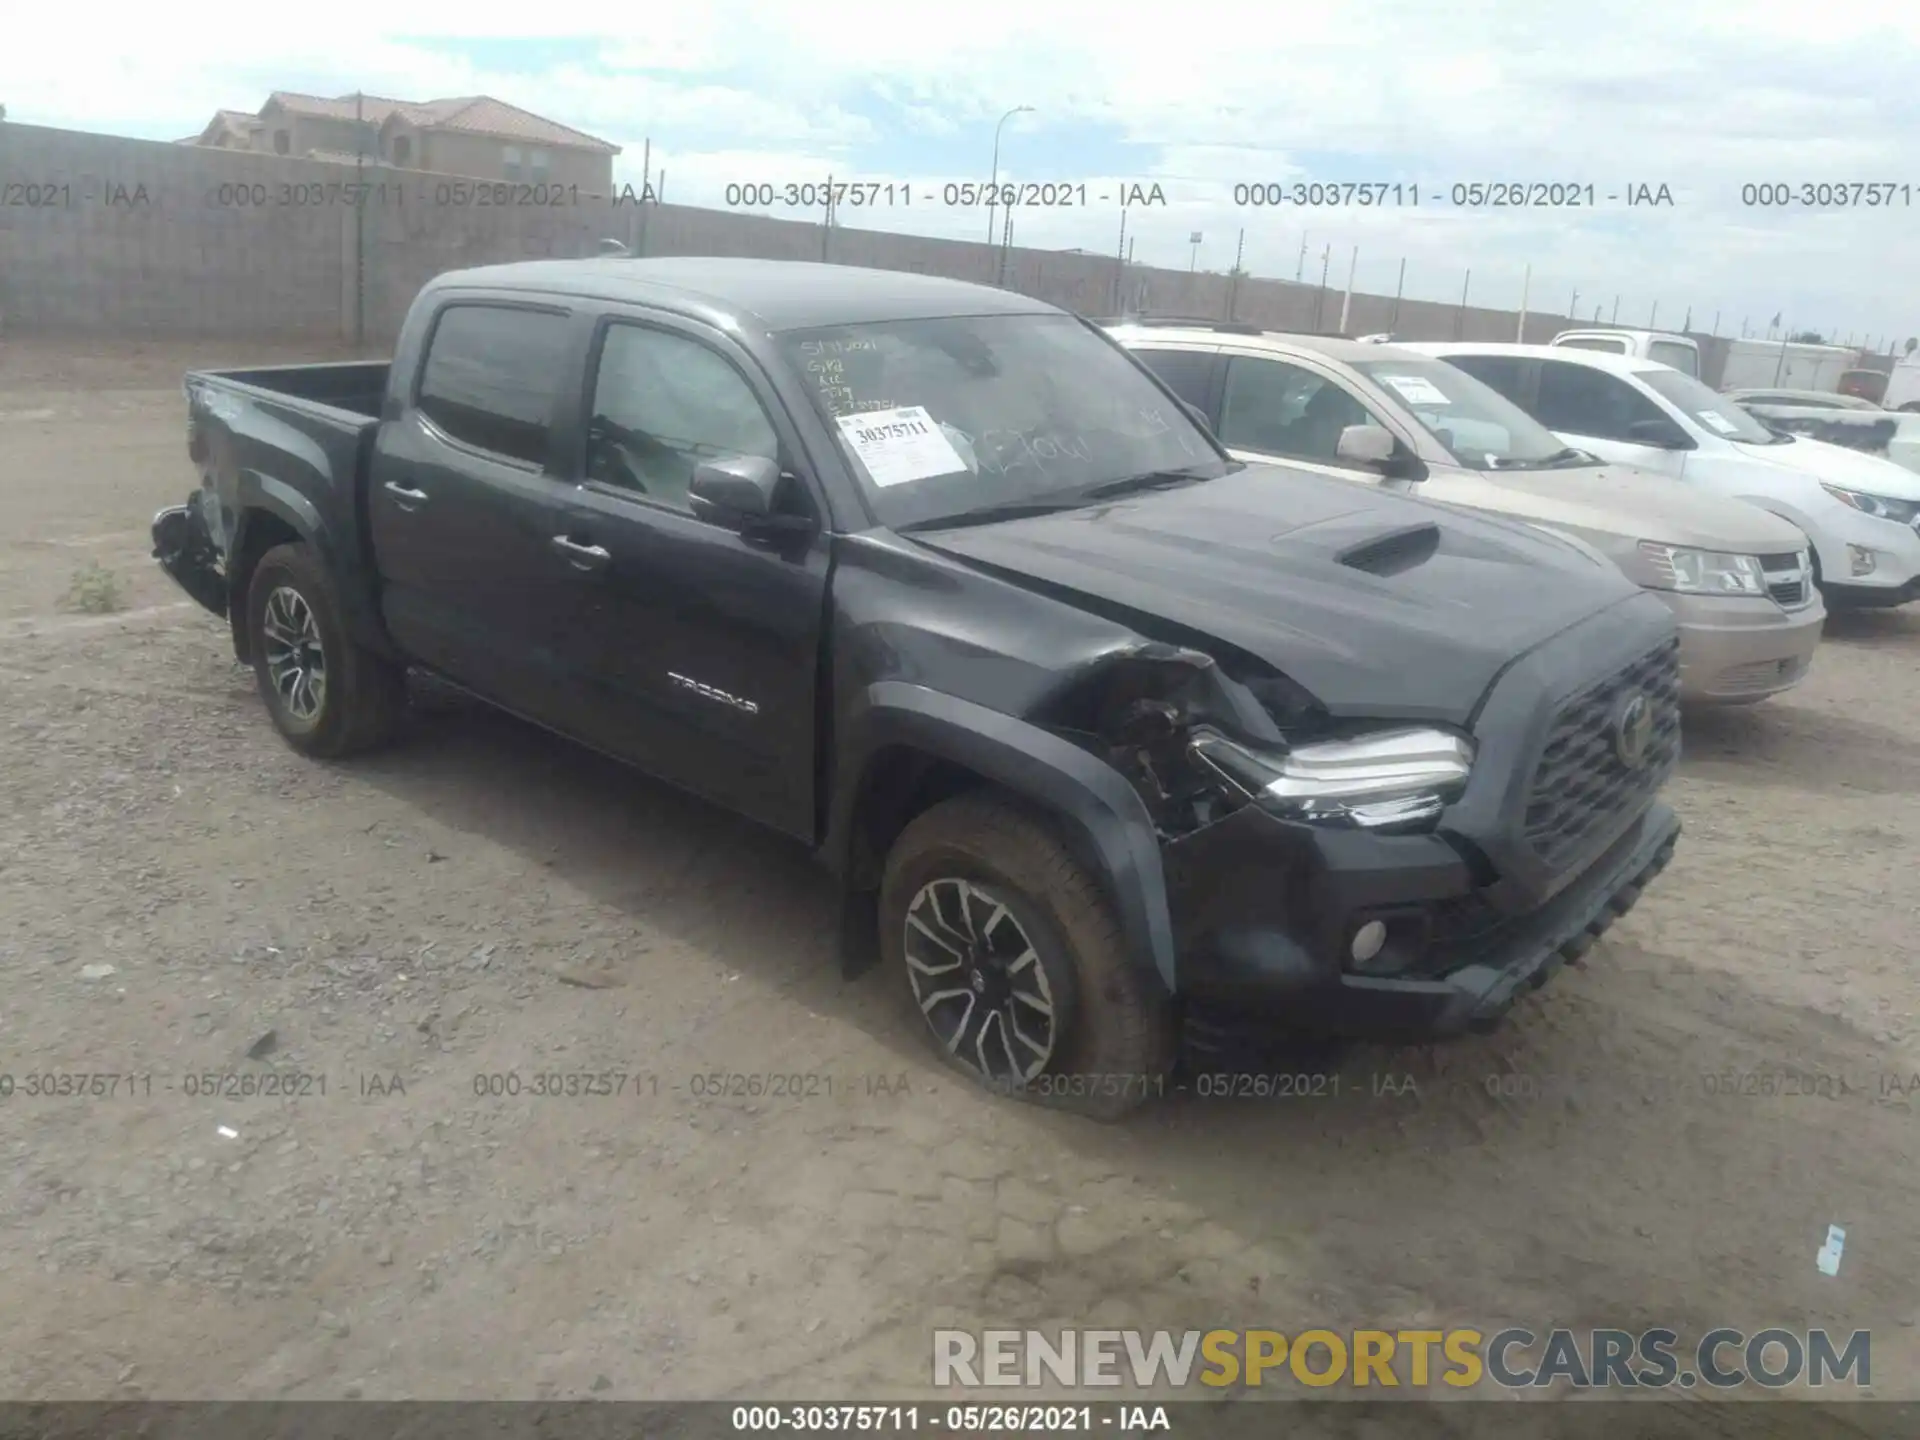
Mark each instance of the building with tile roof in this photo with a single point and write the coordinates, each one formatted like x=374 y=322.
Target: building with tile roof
x=469 y=135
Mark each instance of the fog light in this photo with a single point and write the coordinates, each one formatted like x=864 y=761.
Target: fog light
x=1368 y=940
x=1861 y=558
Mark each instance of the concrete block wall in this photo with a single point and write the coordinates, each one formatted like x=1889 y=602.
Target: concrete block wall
x=157 y=240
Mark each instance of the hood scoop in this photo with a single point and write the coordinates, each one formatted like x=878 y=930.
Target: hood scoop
x=1395 y=551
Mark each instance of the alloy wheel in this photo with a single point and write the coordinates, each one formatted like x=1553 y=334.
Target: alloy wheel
x=980 y=981
x=296 y=661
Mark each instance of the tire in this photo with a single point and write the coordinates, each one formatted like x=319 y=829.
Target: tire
x=360 y=698
x=1111 y=1039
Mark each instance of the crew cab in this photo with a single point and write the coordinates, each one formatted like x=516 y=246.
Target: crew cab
x=1108 y=738
x=1861 y=513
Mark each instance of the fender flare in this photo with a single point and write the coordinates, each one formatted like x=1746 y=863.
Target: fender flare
x=1083 y=792
x=258 y=494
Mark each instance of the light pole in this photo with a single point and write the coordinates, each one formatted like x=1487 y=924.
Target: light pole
x=993 y=185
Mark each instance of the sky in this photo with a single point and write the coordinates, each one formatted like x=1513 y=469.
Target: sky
x=1703 y=97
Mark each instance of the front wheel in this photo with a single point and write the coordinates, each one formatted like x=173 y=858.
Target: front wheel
x=1016 y=964
x=327 y=695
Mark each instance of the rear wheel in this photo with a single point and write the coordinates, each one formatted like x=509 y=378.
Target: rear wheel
x=327 y=696
x=1016 y=964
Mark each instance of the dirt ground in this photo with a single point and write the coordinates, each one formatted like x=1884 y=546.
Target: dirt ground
x=482 y=900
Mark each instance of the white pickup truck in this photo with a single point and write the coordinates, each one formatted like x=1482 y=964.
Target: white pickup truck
x=1659 y=345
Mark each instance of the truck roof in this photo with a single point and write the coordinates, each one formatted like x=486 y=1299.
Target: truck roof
x=1668 y=335
x=775 y=295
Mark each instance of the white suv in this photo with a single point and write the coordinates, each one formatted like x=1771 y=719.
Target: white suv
x=1862 y=513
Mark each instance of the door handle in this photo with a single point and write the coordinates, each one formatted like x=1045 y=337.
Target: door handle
x=581 y=557
x=408 y=499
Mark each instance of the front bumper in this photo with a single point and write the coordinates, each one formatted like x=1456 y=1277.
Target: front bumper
x=1895 y=548
x=186 y=552
x=1245 y=976
x=1738 y=649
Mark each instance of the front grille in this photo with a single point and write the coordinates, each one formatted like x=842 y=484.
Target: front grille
x=1582 y=785
x=1786 y=580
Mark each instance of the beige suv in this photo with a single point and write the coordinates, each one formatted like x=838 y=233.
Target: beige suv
x=1737 y=579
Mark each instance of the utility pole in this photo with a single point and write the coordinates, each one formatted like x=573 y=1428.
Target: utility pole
x=1346 y=303
x=1570 y=304
x=1616 y=311
x=1526 y=284
x=1300 y=270
x=1653 y=315
x=1320 y=296
x=1399 y=285
x=1233 y=284
x=1460 y=315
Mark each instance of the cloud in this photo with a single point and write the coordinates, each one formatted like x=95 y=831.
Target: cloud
x=1704 y=97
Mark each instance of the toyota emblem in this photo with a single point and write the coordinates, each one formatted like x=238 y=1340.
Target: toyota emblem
x=1633 y=730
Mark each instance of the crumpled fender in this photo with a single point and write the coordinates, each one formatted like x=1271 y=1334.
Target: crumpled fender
x=1101 y=809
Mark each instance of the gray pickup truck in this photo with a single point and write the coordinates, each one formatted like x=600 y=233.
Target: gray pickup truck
x=1108 y=737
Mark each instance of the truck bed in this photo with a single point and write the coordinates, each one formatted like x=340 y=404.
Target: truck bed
x=292 y=440
x=357 y=386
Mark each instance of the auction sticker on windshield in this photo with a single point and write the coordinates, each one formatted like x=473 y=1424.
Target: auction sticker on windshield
x=900 y=445
x=1415 y=389
x=1718 y=422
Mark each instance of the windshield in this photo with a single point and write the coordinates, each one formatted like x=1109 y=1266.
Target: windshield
x=1477 y=425
x=942 y=417
x=1717 y=413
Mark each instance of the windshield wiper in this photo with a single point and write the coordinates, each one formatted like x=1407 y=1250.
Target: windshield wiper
x=1565 y=455
x=991 y=514
x=1134 y=484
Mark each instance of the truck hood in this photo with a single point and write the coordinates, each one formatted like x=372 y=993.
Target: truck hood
x=1380 y=606
x=1838 y=465
x=1626 y=505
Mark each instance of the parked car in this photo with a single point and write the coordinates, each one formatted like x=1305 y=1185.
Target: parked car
x=1101 y=730
x=1736 y=578
x=1682 y=353
x=1861 y=513
x=1866 y=385
x=1839 y=420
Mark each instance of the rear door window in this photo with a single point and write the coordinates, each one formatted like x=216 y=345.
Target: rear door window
x=491 y=378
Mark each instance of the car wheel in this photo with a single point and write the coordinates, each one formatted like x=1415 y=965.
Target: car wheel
x=327 y=696
x=1016 y=964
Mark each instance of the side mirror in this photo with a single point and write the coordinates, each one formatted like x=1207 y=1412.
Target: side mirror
x=1661 y=434
x=739 y=493
x=735 y=490
x=1367 y=445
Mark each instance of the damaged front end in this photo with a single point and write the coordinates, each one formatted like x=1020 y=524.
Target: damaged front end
x=1200 y=739
x=1313 y=880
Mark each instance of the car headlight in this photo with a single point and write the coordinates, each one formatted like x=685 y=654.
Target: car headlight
x=1391 y=778
x=1882 y=506
x=1703 y=572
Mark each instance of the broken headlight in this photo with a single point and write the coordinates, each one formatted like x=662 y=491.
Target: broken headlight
x=1386 y=779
